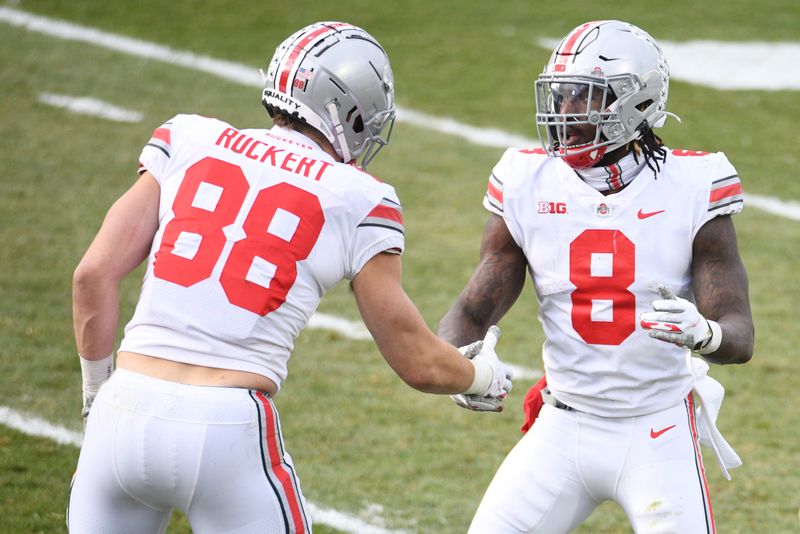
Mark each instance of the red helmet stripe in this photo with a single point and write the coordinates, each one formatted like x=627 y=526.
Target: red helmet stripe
x=570 y=41
x=568 y=50
x=305 y=41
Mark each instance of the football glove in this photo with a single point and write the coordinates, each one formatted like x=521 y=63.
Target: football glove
x=676 y=320
x=492 y=377
x=479 y=404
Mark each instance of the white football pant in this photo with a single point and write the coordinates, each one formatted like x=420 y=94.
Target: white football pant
x=216 y=453
x=570 y=462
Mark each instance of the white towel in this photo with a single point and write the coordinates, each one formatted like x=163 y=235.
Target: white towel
x=708 y=394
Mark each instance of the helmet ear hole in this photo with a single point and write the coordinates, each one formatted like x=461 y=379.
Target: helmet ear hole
x=358 y=125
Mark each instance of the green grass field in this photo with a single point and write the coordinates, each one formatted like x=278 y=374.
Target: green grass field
x=361 y=440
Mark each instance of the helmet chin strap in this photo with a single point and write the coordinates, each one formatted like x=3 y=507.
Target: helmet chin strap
x=338 y=131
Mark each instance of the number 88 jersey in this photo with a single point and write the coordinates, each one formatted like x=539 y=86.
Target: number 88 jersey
x=596 y=262
x=254 y=227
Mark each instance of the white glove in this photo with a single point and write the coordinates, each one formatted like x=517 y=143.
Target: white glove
x=94 y=373
x=677 y=321
x=492 y=381
x=479 y=404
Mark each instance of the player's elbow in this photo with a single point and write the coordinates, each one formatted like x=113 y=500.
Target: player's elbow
x=421 y=377
x=745 y=352
x=744 y=343
x=87 y=278
x=83 y=277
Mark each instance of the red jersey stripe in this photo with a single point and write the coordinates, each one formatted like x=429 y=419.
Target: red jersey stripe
x=387 y=212
x=162 y=134
x=724 y=192
x=495 y=192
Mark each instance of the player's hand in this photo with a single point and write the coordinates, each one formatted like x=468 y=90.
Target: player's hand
x=479 y=404
x=677 y=321
x=494 y=375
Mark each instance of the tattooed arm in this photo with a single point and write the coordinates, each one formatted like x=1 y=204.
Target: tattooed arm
x=721 y=289
x=493 y=288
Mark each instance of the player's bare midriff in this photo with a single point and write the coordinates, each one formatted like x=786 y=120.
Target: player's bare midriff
x=198 y=375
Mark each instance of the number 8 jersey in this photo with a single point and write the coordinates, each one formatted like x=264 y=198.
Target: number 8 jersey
x=254 y=227
x=596 y=262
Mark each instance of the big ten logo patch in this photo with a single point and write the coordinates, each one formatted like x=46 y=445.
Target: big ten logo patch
x=552 y=207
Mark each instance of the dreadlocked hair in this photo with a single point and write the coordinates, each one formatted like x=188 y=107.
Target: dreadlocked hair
x=652 y=149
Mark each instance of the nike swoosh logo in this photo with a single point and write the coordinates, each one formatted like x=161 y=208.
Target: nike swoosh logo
x=645 y=214
x=654 y=434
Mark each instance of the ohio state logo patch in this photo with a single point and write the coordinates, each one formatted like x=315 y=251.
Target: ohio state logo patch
x=603 y=210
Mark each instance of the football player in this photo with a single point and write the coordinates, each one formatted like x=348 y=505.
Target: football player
x=633 y=256
x=243 y=231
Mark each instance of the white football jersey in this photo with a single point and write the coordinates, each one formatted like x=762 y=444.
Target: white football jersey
x=255 y=226
x=596 y=262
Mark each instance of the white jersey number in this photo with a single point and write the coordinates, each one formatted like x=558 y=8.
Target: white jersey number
x=280 y=229
x=602 y=267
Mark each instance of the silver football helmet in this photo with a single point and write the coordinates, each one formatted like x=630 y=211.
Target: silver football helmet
x=608 y=74
x=337 y=78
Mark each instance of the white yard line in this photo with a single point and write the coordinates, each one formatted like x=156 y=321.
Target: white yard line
x=357 y=330
x=90 y=106
x=34 y=426
x=784 y=208
x=345 y=327
x=491 y=137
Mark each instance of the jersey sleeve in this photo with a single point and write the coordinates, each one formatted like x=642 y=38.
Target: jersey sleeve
x=725 y=195
x=493 y=199
x=381 y=230
x=156 y=154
